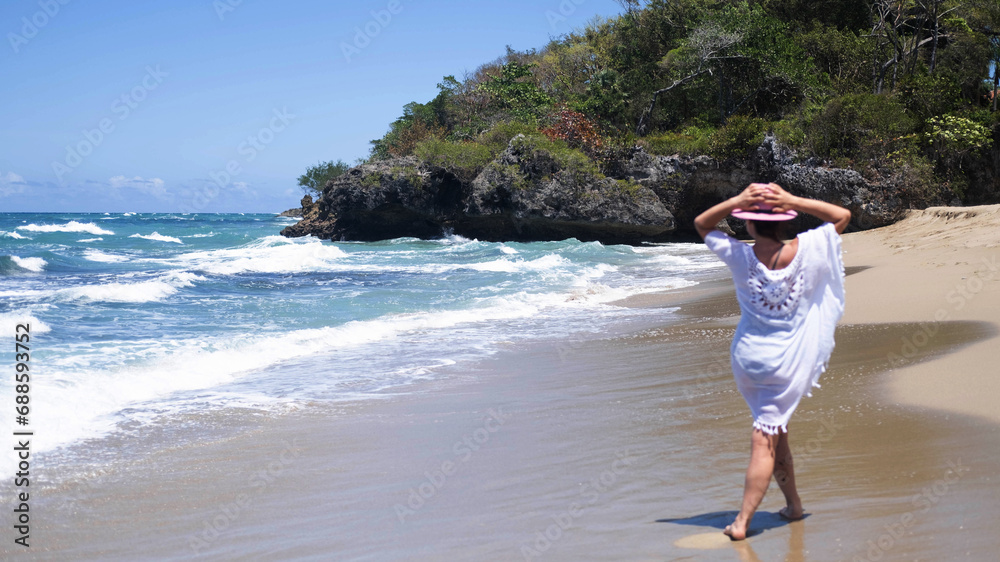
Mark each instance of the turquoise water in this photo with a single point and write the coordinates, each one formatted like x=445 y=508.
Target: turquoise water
x=138 y=316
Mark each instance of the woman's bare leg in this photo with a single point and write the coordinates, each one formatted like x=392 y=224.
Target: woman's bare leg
x=784 y=474
x=762 y=451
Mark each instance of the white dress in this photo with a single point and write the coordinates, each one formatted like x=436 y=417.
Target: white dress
x=785 y=334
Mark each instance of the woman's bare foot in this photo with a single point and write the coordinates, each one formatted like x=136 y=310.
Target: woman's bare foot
x=792 y=513
x=737 y=531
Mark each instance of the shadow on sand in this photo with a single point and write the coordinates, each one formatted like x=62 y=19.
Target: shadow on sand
x=763 y=521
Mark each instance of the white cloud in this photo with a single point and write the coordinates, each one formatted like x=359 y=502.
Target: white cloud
x=11 y=184
x=151 y=186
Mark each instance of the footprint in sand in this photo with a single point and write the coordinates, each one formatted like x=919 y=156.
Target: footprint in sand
x=715 y=541
x=705 y=541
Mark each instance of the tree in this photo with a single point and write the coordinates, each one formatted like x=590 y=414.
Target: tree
x=756 y=67
x=315 y=178
x=630 y=6
x=704 y=46
x=515 y=94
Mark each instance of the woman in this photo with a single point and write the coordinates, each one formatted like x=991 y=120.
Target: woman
x=791 y=297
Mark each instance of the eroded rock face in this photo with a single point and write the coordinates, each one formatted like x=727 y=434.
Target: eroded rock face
x=315 y=221
x=529 y=194
x=522 y=195
x=871 y=204
x=687 y=186
x=525 y=195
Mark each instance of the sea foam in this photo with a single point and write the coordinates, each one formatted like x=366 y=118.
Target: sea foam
x=82 y=401
x=157 y=237
x=71 y=226
x=272 y=254
x=144 y=291
x=101 y=257
x=36 y=265
x=10 y=320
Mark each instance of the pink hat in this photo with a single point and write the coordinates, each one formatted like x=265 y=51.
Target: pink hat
x=764 y=213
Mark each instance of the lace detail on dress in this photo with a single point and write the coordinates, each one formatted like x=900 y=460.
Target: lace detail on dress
x=775 y=293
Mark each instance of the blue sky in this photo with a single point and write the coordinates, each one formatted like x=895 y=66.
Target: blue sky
x=219 y=105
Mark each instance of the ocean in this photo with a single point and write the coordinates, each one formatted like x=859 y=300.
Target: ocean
x=140 y=320
x=202 y=387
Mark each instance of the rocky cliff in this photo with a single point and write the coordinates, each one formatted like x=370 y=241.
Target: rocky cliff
x=528 y=194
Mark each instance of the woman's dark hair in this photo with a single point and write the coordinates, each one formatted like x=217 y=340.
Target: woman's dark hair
x=775 y=230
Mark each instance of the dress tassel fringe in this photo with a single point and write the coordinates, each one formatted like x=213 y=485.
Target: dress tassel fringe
x=771 y=429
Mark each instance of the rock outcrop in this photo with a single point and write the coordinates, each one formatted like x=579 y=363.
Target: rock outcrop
x=527 y=194
x=306 y=201
x=524 y=194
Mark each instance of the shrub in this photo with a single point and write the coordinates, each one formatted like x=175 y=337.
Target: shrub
x=373 y=179
x=464 y=159
x=498 y=137
x=615 y=153
x=859 y=127
x=575 y=129
x=789 y=132
x=689 y=141
x=952 y=136
x=737 y=137
x=409 y=135
x=570 y=162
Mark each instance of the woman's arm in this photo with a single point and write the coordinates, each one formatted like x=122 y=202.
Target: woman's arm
x=748 y=199
x=827 y=212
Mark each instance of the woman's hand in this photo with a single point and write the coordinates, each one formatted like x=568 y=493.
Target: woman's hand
x=751 y=197
x=779 y=199
x=826 y=212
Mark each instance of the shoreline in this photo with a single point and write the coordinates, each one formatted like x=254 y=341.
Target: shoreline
x=617 y=446
x=936 y=266
x=636 y=459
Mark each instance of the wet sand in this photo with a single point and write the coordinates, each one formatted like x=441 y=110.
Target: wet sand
x=628 y=447
x=941 y=264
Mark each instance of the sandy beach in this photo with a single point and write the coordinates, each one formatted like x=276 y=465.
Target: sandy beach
x=943 y=265
x=624 y=446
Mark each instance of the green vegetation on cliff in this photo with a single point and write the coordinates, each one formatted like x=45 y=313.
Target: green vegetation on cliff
x=316 y=176
x=876 y=85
